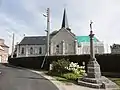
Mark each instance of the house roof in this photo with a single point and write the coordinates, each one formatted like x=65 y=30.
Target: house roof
x=85 y=39
x=34 y=40
x=1 y=48
x=4 y=45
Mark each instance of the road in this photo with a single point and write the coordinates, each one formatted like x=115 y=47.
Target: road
x=12 y=78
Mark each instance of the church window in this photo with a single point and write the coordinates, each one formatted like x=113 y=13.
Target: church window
x=31 y=50
x=40 y=50
x=22 y=52
x=57 y=49
x=19 y=48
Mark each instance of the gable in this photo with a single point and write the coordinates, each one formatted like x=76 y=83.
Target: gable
x=63 y=34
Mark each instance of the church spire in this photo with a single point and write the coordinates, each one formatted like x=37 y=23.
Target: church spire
x=65 y=21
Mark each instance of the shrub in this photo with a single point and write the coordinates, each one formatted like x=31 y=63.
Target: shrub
x=76 y=69
x=59 y=66
x=71 y=76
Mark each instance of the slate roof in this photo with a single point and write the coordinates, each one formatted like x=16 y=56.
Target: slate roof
x=4 y=45
x=1 y=48
x=35 y=40
x=41 y=40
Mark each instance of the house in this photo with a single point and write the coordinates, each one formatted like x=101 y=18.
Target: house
x=4 y=50
x=115 y=49
x=62 y=42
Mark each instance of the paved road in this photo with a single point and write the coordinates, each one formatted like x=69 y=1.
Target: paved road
x=20 y=79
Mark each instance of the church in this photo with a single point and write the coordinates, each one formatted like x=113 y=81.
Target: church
x=62 y=42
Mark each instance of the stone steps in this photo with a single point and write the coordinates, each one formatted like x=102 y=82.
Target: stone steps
x=87 y=84
x=91 y=80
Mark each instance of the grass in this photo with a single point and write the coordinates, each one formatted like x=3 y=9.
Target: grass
x=116 y=80
x=65 y=78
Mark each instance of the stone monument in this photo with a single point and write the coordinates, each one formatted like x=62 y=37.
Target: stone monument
x=93 y=76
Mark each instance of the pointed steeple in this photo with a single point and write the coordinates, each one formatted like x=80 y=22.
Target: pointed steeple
x=65 y=21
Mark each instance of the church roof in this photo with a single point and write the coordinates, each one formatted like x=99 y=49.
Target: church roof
x=85 y=39
x=65 y=21
x=41 y=40
x=35 y=40
x=1 y=48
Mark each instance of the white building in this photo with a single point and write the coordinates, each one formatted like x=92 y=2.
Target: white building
x=84 y=45
x=4 y=49
x=115 y=49
x=62 y=42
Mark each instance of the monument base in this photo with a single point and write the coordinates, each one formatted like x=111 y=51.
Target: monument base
x=94 y=79
x=104 y=83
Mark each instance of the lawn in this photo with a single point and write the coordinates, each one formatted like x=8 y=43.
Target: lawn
x=116 y=80
x=67 y=78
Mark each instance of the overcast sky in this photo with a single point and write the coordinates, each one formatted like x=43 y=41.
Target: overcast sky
x=25 y=17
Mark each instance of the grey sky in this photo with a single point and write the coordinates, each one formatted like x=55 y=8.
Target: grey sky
x=25 y=17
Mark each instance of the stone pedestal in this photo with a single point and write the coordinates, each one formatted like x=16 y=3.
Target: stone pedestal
x=93 y=69
x=94 y=79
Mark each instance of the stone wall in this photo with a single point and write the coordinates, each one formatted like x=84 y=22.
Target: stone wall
x=65 y=35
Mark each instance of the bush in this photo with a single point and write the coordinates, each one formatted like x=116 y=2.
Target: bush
x=76 y=69
x=60 y=66
x=63 y=68
x=71 y=76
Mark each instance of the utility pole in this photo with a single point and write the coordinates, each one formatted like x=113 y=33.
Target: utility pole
x=48 y=36
x=48 y=30
x=12 y=45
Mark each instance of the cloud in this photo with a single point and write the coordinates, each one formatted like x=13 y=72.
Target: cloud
x=26 y=16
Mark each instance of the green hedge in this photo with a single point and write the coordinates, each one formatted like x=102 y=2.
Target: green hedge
x=108 y=62
x=29 y=62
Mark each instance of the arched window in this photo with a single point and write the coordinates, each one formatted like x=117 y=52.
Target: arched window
x=57 y=49
x=40 y=50
x=22 y=52
x=31 y=50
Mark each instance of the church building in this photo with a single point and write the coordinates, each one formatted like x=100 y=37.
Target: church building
x=62 y=42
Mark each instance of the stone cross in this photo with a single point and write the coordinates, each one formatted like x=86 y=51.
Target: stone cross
x=92 y=55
